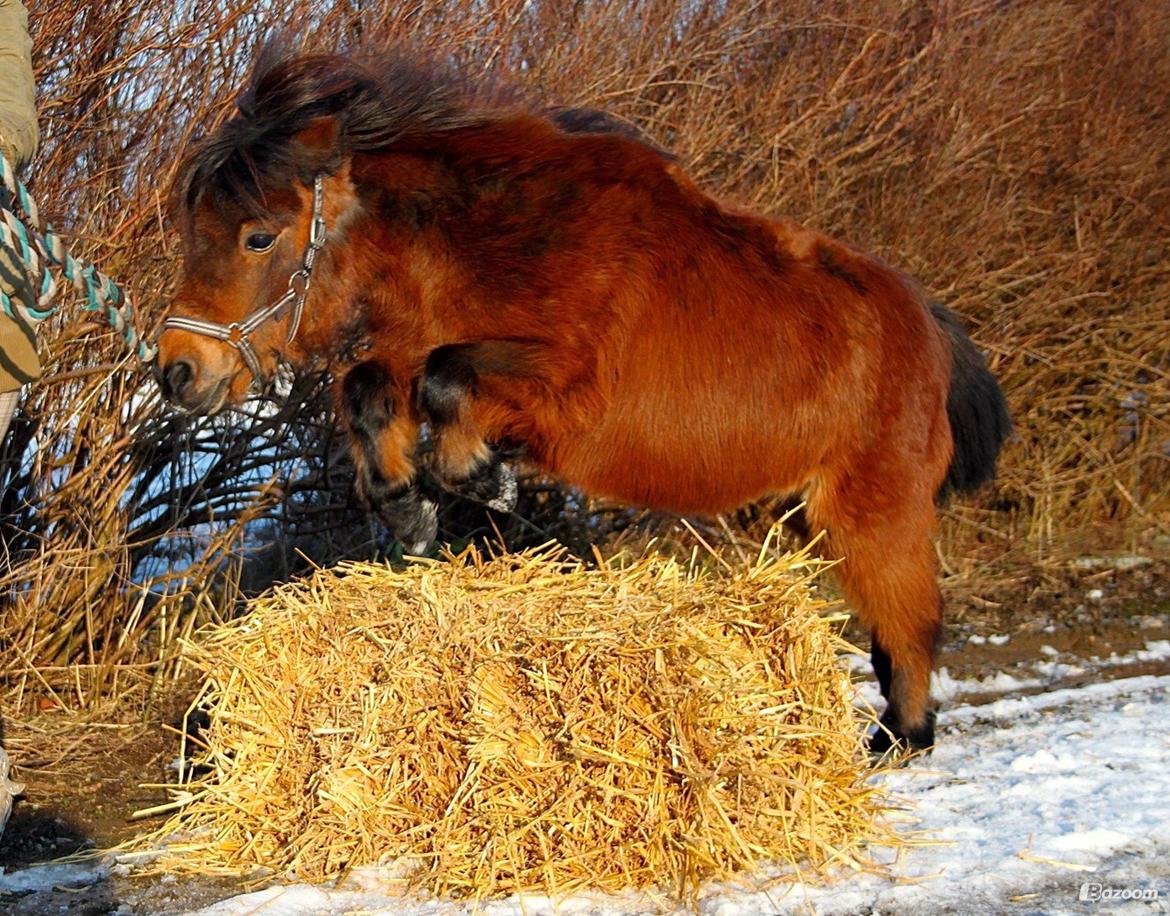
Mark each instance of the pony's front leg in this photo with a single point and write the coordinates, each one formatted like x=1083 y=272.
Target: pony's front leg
x=452 y=396
x=384 y=437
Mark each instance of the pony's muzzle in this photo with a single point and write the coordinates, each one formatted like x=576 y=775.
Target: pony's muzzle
x=189 y=388
x=175 y=380
x=196 y=374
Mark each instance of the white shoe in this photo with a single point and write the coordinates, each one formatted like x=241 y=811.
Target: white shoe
x=8 y=790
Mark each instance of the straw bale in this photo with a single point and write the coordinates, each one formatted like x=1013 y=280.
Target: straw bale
x=493 y=725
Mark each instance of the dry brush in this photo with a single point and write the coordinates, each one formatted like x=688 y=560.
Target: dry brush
x=1014 y=156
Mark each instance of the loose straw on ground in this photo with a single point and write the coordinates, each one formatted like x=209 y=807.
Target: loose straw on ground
x=528 y=723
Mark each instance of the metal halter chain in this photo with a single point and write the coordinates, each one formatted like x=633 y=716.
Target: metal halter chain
x=237 y=333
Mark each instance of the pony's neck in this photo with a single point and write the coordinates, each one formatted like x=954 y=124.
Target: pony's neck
x=472 y=231
x=516 y=176
x=492 y=200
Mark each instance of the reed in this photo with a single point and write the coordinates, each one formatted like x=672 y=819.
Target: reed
x=1011 y=155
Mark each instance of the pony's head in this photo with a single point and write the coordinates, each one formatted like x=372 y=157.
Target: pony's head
x=254 y=198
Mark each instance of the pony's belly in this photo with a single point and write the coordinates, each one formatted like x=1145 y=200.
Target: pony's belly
x=705 y=500
x=691 y=480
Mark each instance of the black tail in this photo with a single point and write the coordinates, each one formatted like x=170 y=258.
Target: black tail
x=976 y=409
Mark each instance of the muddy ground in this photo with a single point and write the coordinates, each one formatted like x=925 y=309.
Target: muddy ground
x=85 y=781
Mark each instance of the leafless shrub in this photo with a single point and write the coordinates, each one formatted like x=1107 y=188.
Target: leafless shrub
x=1012 y=155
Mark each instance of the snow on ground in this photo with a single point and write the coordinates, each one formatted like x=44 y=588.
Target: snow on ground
x=1026 y=800
x=41 y=877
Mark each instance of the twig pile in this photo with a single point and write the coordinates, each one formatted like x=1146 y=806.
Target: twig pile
x=524 y=723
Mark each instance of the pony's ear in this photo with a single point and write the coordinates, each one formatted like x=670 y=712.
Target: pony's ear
x=319 y=144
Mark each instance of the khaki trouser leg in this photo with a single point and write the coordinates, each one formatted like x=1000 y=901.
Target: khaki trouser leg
x=8 y=402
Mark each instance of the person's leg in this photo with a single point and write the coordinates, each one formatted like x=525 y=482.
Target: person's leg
x=8 y=402
x=8 y=789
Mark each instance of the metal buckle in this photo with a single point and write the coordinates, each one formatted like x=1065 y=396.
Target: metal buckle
x=318 y=230
x=298 y=282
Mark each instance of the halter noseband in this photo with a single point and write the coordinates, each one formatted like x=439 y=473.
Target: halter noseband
x=237 y=333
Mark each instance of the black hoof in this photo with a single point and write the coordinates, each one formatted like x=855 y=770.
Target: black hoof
x=890 y=740
x=412 y=519
x=492 y=483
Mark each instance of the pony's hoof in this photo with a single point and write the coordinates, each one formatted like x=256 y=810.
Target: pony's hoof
x=493 y=484
x=413 y=520
x=889 y=742
x=424 y=528
x=506 y=489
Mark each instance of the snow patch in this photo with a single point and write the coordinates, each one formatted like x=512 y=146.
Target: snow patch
x=47 y=877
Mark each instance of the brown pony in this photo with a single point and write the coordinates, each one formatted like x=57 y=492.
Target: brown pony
x=548 y=281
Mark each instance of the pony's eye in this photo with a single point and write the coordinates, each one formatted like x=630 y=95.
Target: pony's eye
x=260 y=241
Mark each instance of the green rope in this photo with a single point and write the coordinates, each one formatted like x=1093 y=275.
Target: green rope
x=43 y=248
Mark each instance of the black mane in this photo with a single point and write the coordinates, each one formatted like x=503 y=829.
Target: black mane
x=377 y=100
x=595 y=121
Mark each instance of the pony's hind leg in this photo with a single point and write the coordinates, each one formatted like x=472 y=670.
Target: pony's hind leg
x=448 y=395
x=889 y=576
x=895 y=590
x=897 y=729
x=384 y=438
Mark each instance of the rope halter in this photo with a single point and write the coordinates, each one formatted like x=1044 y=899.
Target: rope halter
x=237 y=333
x=38 y=247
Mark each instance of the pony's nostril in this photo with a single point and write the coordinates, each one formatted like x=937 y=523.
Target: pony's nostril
x=176 y=378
